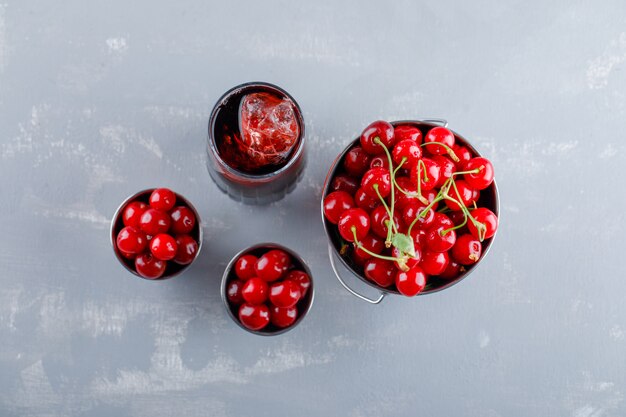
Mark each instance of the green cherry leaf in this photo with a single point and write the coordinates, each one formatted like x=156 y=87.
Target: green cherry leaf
x=403 y=243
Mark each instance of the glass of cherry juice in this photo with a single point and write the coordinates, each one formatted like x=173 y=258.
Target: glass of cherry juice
x=256 y=151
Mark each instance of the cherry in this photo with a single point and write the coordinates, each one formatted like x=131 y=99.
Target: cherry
x=344 y=183
x=409 y=132
x=440 y=219
x=154 y=221
x=282 y=258
x=486 y=217
x=453 y=270
x=429 y=174
x=373 y=244
x=285 y=294
x=380 y=161
x=149 y=267
x=271 y=266
x=381 y=130
x=430 y=195
x=183 y=220
x=187 y=249
x=335 y=204
x=411 y=282
x=131 y=240
x=356 y=161
x=407 y=186
x=411 y=261
x=434 y=263
x=467 y=250
x=463 y=193
x=301 y=278
x=407 y=150
x=414 y=209
x=462 y=153
x=364 y=201
x=233 y=291
x=245 y=266
x=483 y=178
x=354 y=219
x=283 y=316
x=254 y=317
x=437 y=241
x=162 y=199
x=132 y=213
x=379 y=220
x=446 y=168
x=255 y=290
x=376 y=179
x=163 y=247
x=381 y=271
x=419 y=237
x=439 y=134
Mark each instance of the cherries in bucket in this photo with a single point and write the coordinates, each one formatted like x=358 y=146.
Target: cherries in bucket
x=410 y=206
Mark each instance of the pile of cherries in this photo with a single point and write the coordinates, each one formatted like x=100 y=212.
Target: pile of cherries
x=267 y=291
x=430 y=186
x=157 y=234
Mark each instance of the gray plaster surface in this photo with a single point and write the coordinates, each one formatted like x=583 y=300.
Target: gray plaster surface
x=101 y=99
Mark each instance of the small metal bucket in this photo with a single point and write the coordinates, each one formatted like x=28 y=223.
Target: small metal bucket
x=303 y=306
x=249 y=188
x=488 y=198
x=117 y=224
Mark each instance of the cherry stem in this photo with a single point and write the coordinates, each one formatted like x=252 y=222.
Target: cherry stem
x=447 y=148
x=392 y=174
x=480 y=227
x=473 y=171
x=359 y=245
x=389 y=212
x=445 y=232
x=423 y=213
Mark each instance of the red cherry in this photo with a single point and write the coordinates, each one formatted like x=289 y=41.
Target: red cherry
x=483 y=178
x=149 y=267
x=344 y=183
x=354 y=218
x=283 y=316
x=462 y=153
x=254 y=291
x=458 y=217
x=411 y=282
x=378 y=129
x=411 y=261
x=301 y=278
x=437 y=241
x=356 y=161
x=380 y=271
x=162 y=199
x=452 y=271
x=404 y=132
x=467 y=250
x=163 y=247
x=407 y=186
x=335 y=204
x=440 y=219
x=434 y=263
x=132 y=213
x=446 y=168
x=187 y=249
x=183 y=220
x=428 y=176
x=154 y=221
x=439 y=134
x=131 y=240
x=372 y=243
x=380 y=161
x=419 y=237
x=285 y=294
x=254 y=317
x=415 y=209
x=233 y=291
x=486 y=217
x=463 y=193
x=245 y=266
x=379 y=220
x=364 y=201
x=270 y=266
x=376 y=178
x=430 y=195
x=407 y=150
x=282 y=258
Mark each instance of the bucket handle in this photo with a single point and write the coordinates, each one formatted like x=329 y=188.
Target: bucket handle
x=331 y=256
x=442 y=122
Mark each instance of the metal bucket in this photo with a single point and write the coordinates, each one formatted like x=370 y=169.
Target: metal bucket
x=249 y=188
x=488 y=198
x=117 y=224
x=303 y=306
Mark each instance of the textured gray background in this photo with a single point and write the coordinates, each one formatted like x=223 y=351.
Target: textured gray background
x=100 y=100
